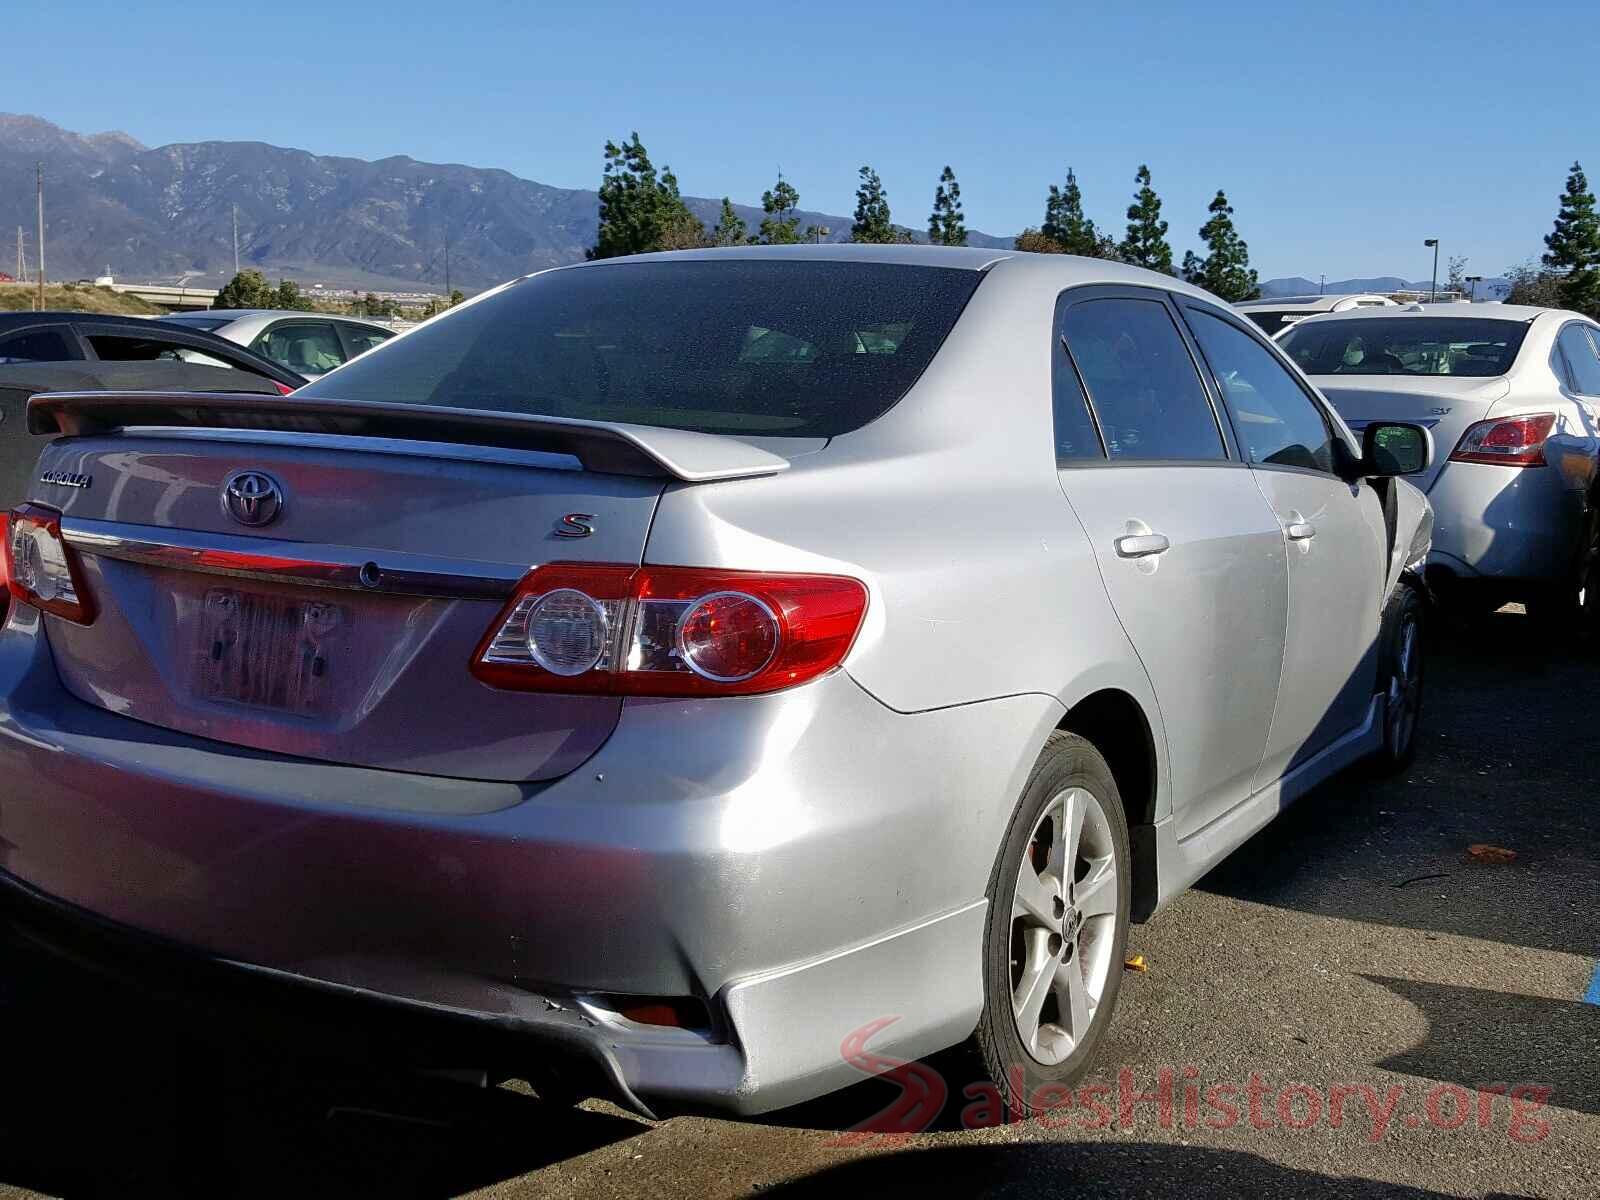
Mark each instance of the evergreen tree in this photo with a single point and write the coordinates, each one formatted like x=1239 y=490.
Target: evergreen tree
x=1190 y=271
x=1573 y=246
x=641 y=211
x=1225 y=270
x=730 y=229
x=780 y=227
x=1146 y=242
x=248 y=289
x=288 y=295
x=1035 y=242
x=946 y=226
x=676 y=227
x=872 y=223
x=1065 y=224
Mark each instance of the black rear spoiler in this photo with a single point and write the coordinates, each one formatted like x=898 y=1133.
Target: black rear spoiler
x=606 y=446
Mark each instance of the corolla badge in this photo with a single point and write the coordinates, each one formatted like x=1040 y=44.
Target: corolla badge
x=252 y=498
x=67 y=479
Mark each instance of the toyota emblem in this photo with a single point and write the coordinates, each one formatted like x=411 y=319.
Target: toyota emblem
x=252 y=498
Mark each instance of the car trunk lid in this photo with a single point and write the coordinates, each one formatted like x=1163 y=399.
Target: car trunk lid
x=342 y=627
x=1444 y=405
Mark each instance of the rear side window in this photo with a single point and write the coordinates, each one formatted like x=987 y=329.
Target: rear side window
x=1141 y=381
x=792 y=349
x=1579 y=351
x=311 y=348
x=1277 y=422
x=35 y=345
x=108 y=348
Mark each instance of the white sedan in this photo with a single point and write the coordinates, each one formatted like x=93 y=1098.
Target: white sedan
x=1512 y=396
x=310 y=344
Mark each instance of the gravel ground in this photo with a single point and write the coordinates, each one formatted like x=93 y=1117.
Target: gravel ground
x=1354 y=944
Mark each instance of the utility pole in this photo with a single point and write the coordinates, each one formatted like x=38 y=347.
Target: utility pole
x=447 y=266
x=39 y=175
x=22 y=263
x=236 y=239
x=1322 y=284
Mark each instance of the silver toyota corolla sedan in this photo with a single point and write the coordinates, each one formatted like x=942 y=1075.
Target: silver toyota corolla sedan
x=1512 y=396
x=689 y=666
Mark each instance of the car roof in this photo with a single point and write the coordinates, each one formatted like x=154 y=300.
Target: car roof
x=1471 y=312
x=1322 y=303
x=1065 y=270
x=238 y=314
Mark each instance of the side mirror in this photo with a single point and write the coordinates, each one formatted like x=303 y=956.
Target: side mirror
x=1395 y=448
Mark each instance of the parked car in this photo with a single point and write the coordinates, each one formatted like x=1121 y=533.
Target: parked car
x=1511 y=394
x=20 y=382
x=310 y=344
x=863 y=690
x=1280 y=312
x=73 y=337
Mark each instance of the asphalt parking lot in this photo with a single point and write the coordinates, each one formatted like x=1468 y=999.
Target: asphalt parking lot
x=1353 y=970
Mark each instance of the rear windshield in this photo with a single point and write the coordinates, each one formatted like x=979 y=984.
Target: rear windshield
x=1467 y=346
x=790 y=349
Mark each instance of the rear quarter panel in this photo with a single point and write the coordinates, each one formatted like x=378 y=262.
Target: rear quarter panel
x=982 y=581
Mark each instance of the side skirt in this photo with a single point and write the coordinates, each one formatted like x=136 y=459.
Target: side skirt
x=1179 y=863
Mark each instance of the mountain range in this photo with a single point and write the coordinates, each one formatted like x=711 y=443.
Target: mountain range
x=167 y=212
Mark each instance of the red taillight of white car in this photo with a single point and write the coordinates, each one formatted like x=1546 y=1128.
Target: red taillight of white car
x=1507 y=441
x=669 y=631
x=40 y=569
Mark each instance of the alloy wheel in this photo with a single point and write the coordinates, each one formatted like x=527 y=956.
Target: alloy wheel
x=1063 y=925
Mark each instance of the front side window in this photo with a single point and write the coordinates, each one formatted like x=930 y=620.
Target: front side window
x=35 y=345
x=1277 y=422
x=309 y=348
x=734 y=345
x=1141 y=381
x=1471 y=347
x=1579 y=352
x=361 y=338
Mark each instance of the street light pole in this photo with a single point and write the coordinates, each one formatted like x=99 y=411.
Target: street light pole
x=1433 y=289
x=1474 y=280
x=39 y=173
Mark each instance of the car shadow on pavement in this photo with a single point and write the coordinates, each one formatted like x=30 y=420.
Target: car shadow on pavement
x=1478 y=1037
x=1497 y=765
x=1049 y=1170
x=101 y=1094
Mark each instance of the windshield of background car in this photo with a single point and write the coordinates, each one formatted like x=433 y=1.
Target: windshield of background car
x=789 y=349
x=1466 y=346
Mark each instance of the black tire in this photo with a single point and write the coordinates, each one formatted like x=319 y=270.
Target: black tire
x=1405 y=617
x=1066 y=762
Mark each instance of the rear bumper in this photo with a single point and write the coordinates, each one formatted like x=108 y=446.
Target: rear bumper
x=1495 y=523
x=803 y=864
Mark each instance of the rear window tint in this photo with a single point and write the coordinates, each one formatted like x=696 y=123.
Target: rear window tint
x=788 y=349
x=1466 y=346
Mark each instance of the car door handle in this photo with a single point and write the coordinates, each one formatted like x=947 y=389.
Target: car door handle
x=1142 y=545
x=1300 y=531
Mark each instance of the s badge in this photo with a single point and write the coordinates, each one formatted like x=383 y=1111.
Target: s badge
x=575 y=525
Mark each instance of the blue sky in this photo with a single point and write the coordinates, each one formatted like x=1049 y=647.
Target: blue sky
x=1343 y=133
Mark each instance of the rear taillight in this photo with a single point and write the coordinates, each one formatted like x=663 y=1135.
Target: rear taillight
x=1508 y=441
x=283 y=388
x=40 y=568
x=5 y=574
x=669 y=631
